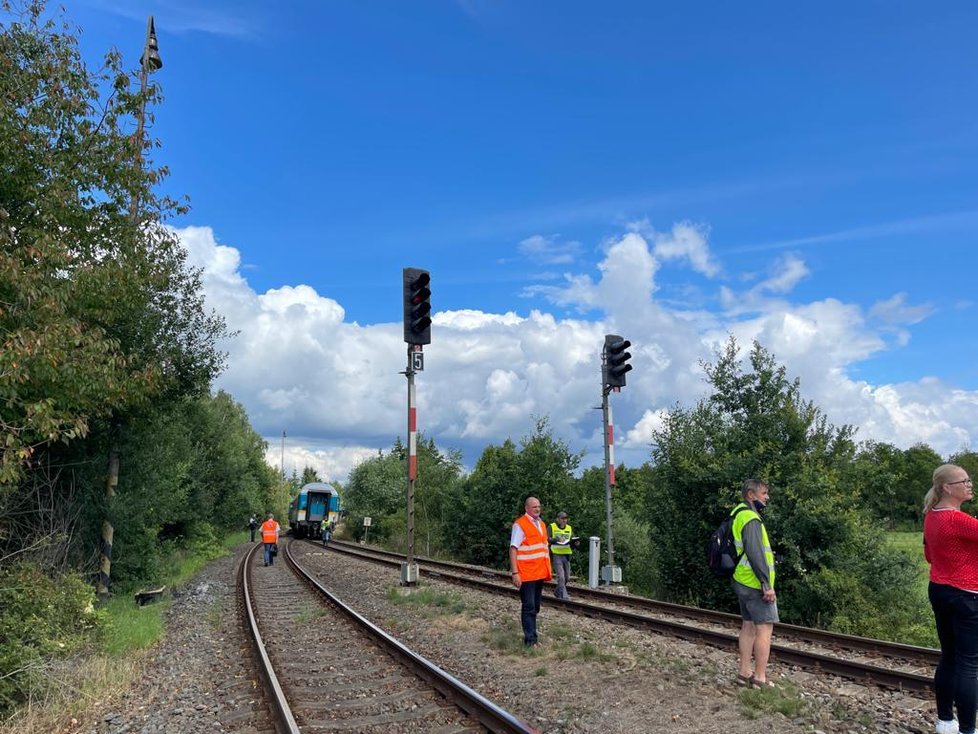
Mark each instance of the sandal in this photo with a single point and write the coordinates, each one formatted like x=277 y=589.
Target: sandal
x=754 y=683
x=744 y=680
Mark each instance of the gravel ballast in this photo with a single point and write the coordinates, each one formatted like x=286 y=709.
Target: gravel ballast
x=585 y=676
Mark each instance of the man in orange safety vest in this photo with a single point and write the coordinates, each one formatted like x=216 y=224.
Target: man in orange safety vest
x=529 y=563
x=269 y=536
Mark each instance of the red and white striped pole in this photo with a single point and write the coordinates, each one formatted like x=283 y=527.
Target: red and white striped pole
x=409 y=571
x=609 y=476
x=610 y=574
x=412 y=471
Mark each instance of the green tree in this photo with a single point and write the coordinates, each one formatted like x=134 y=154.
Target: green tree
x=493 y=494
x=878 y=474
x=194 y=467
x=230 y=477
x=436 y=516
x=309 y=475
x=547 y=467
x=832 y=557
x=99 y=312
x=502 y=479
x=635 y=549
x=892 y=483
x=377 y=488
x=919 y=462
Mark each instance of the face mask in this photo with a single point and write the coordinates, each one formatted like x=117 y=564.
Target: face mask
x=758 y=505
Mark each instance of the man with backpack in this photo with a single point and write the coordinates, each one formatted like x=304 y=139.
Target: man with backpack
x=753 y=583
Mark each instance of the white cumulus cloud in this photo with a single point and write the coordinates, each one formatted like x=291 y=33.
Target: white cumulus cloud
x=299 y=364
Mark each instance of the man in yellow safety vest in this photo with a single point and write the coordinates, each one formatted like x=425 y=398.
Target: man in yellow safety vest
x=325 y=530
x=753 y=583
x=560 y=534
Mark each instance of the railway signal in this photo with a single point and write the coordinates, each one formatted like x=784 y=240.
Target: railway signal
x=416 y=296
x=614 y=367
x=615 y=362
x=417 y=306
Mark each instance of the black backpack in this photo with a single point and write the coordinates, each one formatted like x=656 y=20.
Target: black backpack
x=721 y=551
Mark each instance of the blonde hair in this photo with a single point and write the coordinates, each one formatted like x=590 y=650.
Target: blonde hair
x=942 y=475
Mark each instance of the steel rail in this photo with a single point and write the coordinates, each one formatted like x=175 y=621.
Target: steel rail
x=922 y=655
x=491 y=716
x=863 y=672
x=285 y=722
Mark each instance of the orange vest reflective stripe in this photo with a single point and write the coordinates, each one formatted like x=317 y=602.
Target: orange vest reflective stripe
x=533 y=555
x=269 y=531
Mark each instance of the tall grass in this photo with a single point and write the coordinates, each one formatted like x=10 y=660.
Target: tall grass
x=911 y=543
x=116 y=655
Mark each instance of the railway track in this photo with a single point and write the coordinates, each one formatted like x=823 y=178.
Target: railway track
x=325 y=668
x=873 y=662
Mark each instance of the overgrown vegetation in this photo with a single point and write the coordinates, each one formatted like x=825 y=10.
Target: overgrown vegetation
x=41 y=617
x=106 y=350
x=94 y=653
x=834 y=568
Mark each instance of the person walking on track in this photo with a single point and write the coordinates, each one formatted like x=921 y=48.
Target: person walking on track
x=529 y=563
x=269 y=536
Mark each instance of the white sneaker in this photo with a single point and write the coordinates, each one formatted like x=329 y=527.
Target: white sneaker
x=946 y=727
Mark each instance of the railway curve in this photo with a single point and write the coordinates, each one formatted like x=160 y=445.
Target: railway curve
x=326 y=668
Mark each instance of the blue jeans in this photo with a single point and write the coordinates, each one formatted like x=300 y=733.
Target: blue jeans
x=269 y=558
x=530 y=594
x=956 y=677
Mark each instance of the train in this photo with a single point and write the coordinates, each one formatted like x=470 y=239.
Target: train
x=315 y=501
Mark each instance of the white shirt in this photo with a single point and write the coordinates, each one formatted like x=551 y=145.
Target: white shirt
x=517 y=535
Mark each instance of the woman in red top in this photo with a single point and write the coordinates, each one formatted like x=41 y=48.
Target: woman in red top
x=951 y=548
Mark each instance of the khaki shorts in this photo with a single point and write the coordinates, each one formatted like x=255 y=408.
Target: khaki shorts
x=753 y=608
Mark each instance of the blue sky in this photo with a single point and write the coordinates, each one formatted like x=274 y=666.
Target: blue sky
x=804 y=175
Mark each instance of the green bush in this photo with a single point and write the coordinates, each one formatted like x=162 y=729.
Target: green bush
x=40 y=617
x=873 y=593
x=634 y=552
x=137 y=556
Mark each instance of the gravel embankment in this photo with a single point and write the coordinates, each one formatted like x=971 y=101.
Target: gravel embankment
x=585 y=676
x=200 y=677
